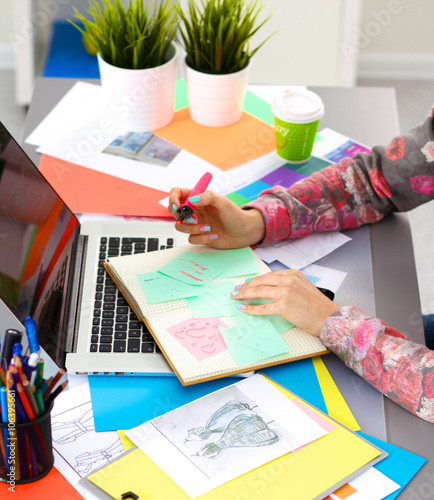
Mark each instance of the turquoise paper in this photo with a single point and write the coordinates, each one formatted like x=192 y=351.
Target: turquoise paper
x=160 y=288
x=125 y=402
x=214 y=301
x=400 y=466
x=255 y=339
x=193 y=268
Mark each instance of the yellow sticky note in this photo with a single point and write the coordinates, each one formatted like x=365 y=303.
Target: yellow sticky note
x=335 y=403
x=305 y=473
x=126 y=442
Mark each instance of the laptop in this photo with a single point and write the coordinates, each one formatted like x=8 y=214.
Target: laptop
x=51 y=269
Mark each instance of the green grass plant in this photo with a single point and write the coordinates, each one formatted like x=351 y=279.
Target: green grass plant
x=138 y=37
x=216 y=34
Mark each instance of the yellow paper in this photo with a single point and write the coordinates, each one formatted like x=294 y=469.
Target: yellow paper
x=335 y=403
x=126 y=442
x=301 y=475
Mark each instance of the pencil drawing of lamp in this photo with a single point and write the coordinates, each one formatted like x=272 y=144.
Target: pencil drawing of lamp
x=243 y=431
x=219 y=421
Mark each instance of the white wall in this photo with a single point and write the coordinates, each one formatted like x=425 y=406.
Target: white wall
x=307 y=46
x=6 y=52
x=396 y=39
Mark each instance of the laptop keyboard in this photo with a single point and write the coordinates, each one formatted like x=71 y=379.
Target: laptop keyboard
x=115 y=327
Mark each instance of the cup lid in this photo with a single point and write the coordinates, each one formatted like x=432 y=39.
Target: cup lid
x=298 y=106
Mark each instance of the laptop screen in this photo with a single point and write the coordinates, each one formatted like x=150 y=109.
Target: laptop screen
x=37 y=243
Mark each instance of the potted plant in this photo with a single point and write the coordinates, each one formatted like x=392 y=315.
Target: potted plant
x=216 y=36
x=137 y=57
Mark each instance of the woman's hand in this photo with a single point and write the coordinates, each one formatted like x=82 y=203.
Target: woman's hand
x=217 y=221
x=294 y=298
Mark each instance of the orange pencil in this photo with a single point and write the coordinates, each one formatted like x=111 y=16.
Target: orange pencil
x=56 y=378
x=19 y=367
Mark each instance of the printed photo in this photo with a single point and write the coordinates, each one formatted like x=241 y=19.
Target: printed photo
x=144 y=147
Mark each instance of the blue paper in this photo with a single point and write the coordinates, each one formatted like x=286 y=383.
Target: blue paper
x=122 y=402
x=400 y=466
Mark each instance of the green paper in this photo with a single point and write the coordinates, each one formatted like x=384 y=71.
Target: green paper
x=255 y=339
x=181 y=96
x=194 y=268
x=239 y=262
x=259 y=108
x=160 y=288
x=214 y=301
x=237 y=199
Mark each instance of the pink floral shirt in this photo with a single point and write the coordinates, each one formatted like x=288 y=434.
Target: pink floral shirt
x=353 y=192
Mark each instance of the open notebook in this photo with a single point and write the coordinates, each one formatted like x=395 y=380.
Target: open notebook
x=160 y=318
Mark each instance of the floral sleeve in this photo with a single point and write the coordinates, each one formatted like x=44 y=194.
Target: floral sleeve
x=403 y=370
x=354 y=191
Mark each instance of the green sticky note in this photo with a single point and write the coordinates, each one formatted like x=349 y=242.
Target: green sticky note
x=214 y=301
x=181 y=95
x=160 y=288
x=280 y=324
x=255 y=339
x=259 y=108
x=194 y=268
x=239 y=261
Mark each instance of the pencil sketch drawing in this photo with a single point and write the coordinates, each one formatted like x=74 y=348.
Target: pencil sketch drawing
x=241 y=427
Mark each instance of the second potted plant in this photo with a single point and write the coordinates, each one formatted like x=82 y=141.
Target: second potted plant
x=216 y=36
x=137 y=58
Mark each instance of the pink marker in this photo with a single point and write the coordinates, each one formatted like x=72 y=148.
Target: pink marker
x=186 y=210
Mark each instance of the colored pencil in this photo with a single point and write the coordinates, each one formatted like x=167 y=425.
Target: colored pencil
x=56 y=378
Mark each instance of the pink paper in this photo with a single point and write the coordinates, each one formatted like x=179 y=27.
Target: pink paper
x=200 y=336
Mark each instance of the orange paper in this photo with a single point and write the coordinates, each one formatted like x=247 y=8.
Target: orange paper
x=88 y=191
x=224 y=147
x=53 y=486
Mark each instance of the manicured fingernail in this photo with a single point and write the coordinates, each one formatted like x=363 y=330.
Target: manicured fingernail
x=192 y=220
x=242 y=306
x=237 y=287
x=194 y=199
x=248 y=279
x=205 y=228
x=235 y=293
x=213 y=237
x=175 y=208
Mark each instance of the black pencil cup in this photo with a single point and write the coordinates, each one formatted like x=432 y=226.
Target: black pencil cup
x=26 y=449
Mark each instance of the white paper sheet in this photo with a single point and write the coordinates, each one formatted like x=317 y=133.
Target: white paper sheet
x=172 y=442
x=299 y=253
x=370 y=485
x=78 y=449
x=328 y=278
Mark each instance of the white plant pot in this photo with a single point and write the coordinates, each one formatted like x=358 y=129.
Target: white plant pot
x=216 y=100
x=141 y=99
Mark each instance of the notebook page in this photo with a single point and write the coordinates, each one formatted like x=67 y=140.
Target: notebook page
x=127 y=267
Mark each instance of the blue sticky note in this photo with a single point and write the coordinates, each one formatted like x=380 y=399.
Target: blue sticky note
x=158 y=287
x=400 y=466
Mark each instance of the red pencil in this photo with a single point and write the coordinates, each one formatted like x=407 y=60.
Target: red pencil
x=57 y=377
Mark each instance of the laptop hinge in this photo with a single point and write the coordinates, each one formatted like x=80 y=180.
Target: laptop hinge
x=76 y=294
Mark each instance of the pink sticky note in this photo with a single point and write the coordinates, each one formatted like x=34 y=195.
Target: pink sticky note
x=200 y=336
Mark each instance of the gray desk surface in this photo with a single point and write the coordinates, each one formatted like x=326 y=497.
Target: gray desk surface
x=370 y=116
